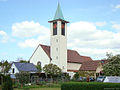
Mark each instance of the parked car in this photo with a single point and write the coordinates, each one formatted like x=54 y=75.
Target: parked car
x=82 y=79
x=91 y=79
x=85 y=79
x=100 y=78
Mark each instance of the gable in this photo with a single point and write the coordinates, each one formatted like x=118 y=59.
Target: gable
x=15 y=69
x=72 y=55
x=40 y=55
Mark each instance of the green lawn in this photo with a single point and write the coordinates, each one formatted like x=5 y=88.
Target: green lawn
x=48 y=86
x=40 y=89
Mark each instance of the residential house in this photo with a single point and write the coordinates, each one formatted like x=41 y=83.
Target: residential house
x=93 y=68
x=18 y=67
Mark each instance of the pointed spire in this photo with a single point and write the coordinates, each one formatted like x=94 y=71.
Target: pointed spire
x=58 y=14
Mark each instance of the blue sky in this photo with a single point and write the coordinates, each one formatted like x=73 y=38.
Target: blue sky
x=94 y=27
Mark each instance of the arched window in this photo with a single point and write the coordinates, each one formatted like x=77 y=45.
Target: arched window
x=38 y=63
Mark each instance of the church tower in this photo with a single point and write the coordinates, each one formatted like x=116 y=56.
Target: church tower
x=58 y=40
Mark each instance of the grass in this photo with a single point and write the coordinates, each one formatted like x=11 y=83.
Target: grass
x=40 y=89
x=48 y=86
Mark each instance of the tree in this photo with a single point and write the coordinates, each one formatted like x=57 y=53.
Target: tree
x=86 y=73
x=39 y=68
x=52 y=70
x=23 y=61
x=112 y=68
x=0 y=63
x=7 y=84
x=76 y=76
x=23 y=77
x=5 y=66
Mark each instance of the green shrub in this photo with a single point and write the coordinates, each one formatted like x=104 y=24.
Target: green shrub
x=23 y=77
x=17 y=85
x=90 y=86
x=41 y=83
x=7 y=84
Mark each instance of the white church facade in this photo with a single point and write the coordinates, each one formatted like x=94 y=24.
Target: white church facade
x=57 y=53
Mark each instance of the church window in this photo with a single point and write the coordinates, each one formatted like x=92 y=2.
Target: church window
x=63 y=28
x=38 y=63
x=55 y=28
x=56 y=49
x=56 y=57
x=56 y=40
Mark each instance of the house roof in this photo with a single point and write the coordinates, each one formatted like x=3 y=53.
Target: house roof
x=46 y=49
x=72 y=55
x=89 y=66
x=92 y=65
x=26 y=67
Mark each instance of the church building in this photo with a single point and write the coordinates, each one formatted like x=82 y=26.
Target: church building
x=57 y=53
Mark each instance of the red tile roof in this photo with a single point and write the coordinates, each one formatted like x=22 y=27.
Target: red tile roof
x=46 y=49
x=92 y=65
x=89 y=66
x=72 y=55
x=72 y=70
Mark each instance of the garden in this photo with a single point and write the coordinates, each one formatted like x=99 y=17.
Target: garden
x=61 y=81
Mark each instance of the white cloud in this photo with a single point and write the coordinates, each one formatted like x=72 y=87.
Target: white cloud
x=28 y=29
x=33 y=43
x=95 y=53
x=29 y=43
x=116 y=26
x=117 y=6
x=88 y=40
x=3 y=36
x=82 y=36
x=100 y=23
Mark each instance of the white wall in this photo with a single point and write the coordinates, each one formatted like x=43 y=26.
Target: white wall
x=59 y=42
x=40 y=55
x=71 y=74
x=73 y=66
x=99 y=68
x=15 y=69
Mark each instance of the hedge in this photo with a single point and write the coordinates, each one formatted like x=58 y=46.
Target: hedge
x=7 y=84
x=90 y=86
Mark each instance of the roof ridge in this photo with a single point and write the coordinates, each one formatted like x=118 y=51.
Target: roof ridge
x=49 y=46
x=44 y=45
x=85 y=56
